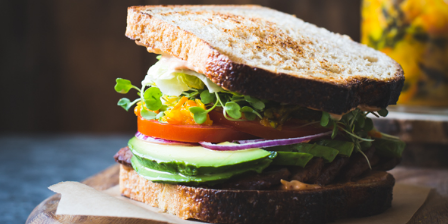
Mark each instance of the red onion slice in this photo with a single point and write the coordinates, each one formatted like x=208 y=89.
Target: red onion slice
x=250 y=141
x=261 y=143
x=143 y=137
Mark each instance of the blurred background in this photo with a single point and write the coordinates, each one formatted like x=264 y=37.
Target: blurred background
x=59 y=118
x=59 y=59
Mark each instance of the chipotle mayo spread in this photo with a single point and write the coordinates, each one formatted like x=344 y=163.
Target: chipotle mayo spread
x=297 y=185
x=177 y=64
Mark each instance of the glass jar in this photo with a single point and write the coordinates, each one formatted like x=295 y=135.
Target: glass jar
x=415 y=34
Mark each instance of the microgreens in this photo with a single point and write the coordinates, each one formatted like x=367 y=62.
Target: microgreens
x=123 y=86
x=234 y=105
x=233 y=110
x=249 y=113
x=199 y=114
x=368 y=124
x=355 y=126
x=151 y=97
x=227 y=105
x=254 y=102
x=207 y=97
x=361 y=121
x=160 y=115
x=126 y=103
x=325 y=120
x=335 y=131
x=383 y=112
x=191 y=94
x=148 y=115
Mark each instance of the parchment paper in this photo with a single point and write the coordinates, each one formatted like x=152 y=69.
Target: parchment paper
x=80 y=199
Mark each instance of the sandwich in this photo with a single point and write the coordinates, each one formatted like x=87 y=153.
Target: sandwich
x=251 y=115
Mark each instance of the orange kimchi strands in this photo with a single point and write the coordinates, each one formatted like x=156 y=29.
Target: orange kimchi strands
x=180 y=113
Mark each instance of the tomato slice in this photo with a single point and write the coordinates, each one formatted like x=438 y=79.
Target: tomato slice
x=190 y=133
x=291 y=130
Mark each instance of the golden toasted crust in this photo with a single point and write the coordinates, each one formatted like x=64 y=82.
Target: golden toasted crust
x=368 y=196
x=171 y=198
x=281 y=67
x=160 y=37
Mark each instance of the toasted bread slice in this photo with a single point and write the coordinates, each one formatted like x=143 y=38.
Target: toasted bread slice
x=268 y=54
x=367 y=196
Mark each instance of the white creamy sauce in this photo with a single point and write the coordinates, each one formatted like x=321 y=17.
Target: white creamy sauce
x=177 y=63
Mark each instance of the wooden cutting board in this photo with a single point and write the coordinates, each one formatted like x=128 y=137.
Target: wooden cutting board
x=434 y=210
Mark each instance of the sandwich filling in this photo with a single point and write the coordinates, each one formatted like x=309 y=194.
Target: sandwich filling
x=192 y=131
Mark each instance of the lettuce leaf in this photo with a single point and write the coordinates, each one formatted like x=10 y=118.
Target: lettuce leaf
x=173 y=82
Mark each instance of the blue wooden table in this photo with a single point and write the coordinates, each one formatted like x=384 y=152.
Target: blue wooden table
x=29 y=164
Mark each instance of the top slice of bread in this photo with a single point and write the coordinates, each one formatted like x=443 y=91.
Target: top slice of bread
x=268 y=54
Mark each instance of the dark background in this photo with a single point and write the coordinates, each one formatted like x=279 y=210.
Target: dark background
x=58 y=63
x=59 y=59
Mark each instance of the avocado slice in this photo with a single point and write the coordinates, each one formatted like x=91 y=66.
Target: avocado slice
x=175 y=167
x=208 y=179
x=196 y=160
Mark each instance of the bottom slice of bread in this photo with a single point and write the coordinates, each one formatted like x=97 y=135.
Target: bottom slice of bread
x=369 y=195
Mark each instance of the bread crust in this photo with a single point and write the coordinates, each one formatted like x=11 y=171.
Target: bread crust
x=322 y=94
x=284 y=88
x=368 y=196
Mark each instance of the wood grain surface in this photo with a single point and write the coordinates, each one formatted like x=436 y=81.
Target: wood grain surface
x=434 y=210
x=45 y=212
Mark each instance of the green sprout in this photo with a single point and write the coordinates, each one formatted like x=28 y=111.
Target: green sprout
x=207 y=97
x=151 y=97
x=254 y=102
x=355 y=125
x=383 y=112
x=325 y=119
x=233 y=110
x=148 y=115
x=199 y=114
x=123 y=86
x=250 y=113
x=125 y=103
